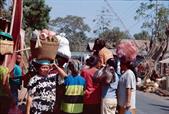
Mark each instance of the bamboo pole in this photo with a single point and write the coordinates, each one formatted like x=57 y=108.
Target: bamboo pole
x=22 y=50
x=11 y=27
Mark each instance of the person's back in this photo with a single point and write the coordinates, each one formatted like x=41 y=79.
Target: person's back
x=104 y=55
x=73 y=97
x=74 y=90
x=101 y=51
x=93 y=90
x=92 y=96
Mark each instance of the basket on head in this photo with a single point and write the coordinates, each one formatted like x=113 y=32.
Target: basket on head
x=6 y=43
x=48 y=50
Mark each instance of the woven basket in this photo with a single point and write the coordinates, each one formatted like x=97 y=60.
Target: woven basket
x=6 y=47
x=48 y=50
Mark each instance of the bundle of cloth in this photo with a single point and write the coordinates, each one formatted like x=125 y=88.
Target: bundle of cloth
x=127 y=49
x=64 y=49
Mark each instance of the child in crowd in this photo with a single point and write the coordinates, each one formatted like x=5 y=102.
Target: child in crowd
x=74 y=88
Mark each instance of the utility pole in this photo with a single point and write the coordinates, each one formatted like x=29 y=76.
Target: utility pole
x=156 y=20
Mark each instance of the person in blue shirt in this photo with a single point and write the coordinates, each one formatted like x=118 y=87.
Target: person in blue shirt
x=109 y=82
x=74 y=89
x=15 y=80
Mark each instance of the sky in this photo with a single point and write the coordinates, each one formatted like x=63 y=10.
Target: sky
x=91 y=9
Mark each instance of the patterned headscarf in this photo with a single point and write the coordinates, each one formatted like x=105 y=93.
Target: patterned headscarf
x=75 y=63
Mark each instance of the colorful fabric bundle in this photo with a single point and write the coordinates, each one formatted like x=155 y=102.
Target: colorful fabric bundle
x=127 y=49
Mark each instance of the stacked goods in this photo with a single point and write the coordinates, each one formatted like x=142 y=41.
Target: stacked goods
x=6 y=43
x=127 y=49
x=45 y=45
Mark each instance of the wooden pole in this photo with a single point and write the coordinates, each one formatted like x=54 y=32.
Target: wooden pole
x=22 y=50
x=11 y=27
x=13 y=15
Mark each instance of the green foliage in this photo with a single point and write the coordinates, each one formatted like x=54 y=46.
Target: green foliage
x=144 y=35
x=103 y=21
x=35 y=14
x=155 y=18
x=69 y=25
x=75 y=30
x=2 y=10
x=113 y=36
x=2 y=3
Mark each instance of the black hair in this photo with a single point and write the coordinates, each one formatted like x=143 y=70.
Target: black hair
x=111 y=62
x=129 y=64
x=92 y=61
x=66 y=59
x=99 y=44
x=74 y=67
x=126 y=61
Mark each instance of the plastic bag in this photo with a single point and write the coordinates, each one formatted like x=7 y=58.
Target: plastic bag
x=64 y=49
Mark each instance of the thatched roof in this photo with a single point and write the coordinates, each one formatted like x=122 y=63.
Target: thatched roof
x=142 y=45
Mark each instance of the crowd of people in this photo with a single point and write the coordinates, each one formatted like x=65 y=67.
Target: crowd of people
x=103 y=85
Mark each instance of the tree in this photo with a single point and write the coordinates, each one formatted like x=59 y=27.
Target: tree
x=35 y=14
x=2 y=3
x=144 y=35
x=155 y=18
x=75 y=30
x=113 y=36
x=103 y=21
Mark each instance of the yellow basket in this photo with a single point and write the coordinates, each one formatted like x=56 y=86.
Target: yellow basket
x=6 y=47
